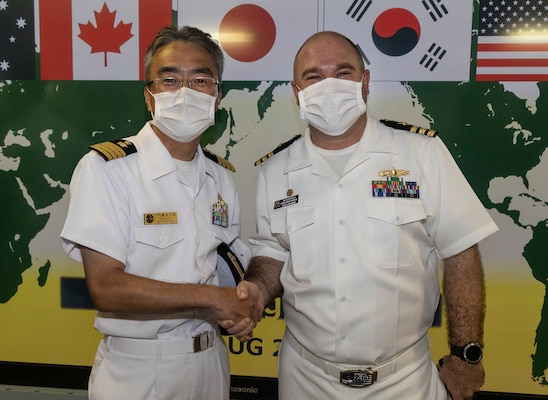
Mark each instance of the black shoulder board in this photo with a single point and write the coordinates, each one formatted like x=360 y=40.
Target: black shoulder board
x=232 y=270
x=280 y=147
x=219 y=160
x=233 y=264
x=411 y=128
x=114 y=149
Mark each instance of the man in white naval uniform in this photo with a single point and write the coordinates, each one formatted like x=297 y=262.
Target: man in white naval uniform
x=353 y=219
x=147 y=214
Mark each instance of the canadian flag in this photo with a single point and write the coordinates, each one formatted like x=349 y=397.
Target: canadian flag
x=407 y=40
x=98 y=39
x=259 y=38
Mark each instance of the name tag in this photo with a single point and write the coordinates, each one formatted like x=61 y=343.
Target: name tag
x=160 y=218
x=288 y=201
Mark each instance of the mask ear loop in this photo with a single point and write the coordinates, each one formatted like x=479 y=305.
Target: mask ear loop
x=217 y=89
x=149 y=92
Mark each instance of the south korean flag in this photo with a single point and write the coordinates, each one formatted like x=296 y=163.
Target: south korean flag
x=407 y=40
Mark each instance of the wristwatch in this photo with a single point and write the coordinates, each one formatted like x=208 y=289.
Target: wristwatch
x=472 y=353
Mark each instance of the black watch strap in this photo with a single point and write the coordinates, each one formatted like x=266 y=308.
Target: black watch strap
x=472 y=353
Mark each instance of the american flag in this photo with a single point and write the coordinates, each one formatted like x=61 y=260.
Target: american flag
x=512 y=40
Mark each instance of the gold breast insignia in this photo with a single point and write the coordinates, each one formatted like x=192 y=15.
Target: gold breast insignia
x=394 y=172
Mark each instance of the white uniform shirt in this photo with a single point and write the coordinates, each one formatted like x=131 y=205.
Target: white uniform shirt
x=109 y=202
x=361 y=272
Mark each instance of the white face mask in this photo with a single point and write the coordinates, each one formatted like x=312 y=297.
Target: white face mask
x=183 y=115
x=332 y=105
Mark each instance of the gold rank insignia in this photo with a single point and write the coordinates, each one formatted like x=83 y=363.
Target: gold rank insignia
x=219 y=160
x=114 y=149
x=408 y=127
x=280 y=147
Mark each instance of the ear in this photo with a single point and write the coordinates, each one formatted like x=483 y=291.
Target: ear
x=365 y=84
x=149 y=100
x=366 y=77
x=295 y=91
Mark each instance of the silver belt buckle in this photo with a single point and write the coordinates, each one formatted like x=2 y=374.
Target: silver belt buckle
x=359 y=377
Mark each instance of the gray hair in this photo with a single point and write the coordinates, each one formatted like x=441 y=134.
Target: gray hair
x=186 y=34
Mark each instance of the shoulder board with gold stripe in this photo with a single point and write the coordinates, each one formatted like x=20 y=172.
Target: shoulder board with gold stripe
x=411 y=128
x=114 y=149
x=219 y=160
x=236 y=267
x=280 y=147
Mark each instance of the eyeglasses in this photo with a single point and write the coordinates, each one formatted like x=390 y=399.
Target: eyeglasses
x=201 y=84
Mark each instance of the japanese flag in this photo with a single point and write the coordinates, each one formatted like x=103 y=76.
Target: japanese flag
x=98 y=39
x=407 y=40
x=259 y=38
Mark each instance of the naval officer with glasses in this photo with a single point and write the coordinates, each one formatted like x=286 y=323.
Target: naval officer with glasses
x=146 y=217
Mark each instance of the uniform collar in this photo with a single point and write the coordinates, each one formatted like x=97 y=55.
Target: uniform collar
x=206 y=165
x=300 y=153
x=155 y=155
x=158 y=160
x=377 y=138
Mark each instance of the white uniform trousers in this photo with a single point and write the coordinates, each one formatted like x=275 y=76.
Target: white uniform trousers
x=300 y=379
x=119 y=373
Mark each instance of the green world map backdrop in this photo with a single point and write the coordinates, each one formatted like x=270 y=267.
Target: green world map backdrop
x=496 y=132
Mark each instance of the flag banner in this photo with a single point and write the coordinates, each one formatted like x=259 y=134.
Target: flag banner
x=17 y=54
x=407 y=40
x=512 y=41
x=98 y=39
x=259 y=38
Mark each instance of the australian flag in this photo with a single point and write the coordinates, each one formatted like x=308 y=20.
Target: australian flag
x=17 y=52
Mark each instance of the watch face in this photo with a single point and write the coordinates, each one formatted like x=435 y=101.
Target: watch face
x=473 y=353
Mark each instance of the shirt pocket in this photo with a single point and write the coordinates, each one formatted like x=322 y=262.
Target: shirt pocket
x=395 y=231
x=159 y=236
x=302 y=240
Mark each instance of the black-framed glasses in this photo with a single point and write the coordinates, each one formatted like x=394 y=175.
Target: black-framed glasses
x=199 y=83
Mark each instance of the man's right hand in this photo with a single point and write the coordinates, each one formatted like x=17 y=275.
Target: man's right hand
x=246 y=292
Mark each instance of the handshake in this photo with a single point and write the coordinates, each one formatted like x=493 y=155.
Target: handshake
x=243 y=309
x=238 y=310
